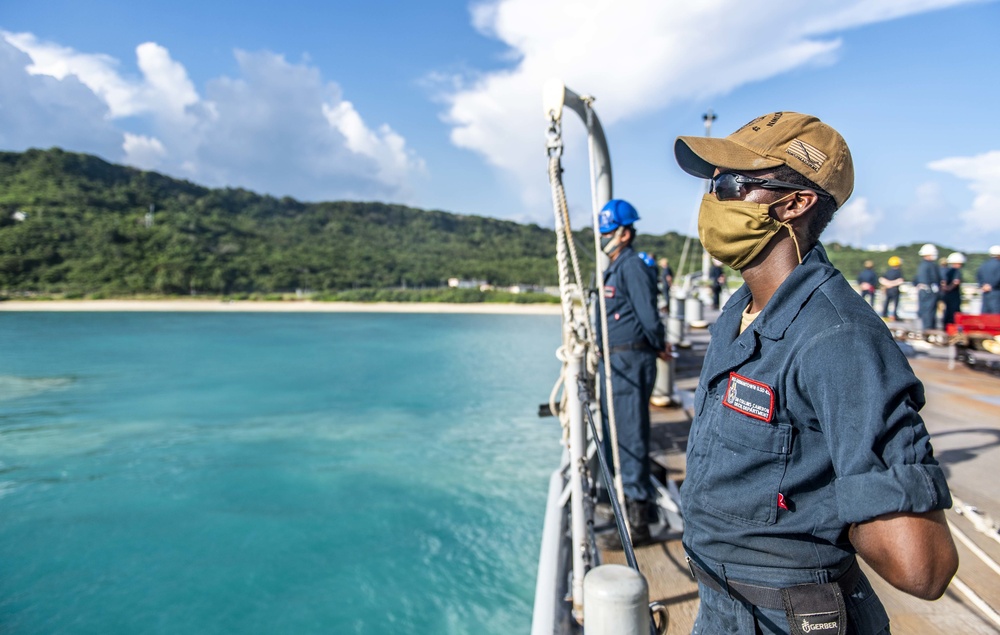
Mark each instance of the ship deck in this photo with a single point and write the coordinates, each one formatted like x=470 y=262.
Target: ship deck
x=963 y=417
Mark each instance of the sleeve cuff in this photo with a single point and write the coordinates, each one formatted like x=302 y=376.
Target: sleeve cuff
x=900 y=488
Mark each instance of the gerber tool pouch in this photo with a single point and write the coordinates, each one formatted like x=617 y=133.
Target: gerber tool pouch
x=815 y=609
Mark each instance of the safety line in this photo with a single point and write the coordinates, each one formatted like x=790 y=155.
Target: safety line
x=965 y=540
x=977 y=601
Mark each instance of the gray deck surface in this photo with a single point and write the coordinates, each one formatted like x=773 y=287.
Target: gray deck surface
x=963 y=416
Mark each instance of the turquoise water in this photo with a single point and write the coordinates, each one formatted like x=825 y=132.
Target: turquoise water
x=260 y=473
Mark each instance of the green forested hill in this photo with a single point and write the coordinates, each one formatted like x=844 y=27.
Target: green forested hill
x=85 y=233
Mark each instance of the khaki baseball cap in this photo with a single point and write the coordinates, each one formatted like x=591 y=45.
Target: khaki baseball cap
x=802 y=142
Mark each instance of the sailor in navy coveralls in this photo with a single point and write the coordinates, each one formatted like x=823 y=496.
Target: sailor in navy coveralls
x=988 y=278
x=806 y=447
x=928 y=283
x=635 y=338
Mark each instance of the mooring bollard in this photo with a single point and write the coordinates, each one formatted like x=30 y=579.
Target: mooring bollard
x=694 y=310
x=615 y=601
x=663 y=388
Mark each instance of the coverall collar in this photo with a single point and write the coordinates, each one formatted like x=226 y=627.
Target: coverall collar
x=622 y=254
x=790 y=297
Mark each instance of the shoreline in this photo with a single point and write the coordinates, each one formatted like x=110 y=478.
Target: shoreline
x=244 y=306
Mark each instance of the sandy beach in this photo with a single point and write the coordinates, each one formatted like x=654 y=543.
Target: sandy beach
x=219 y=306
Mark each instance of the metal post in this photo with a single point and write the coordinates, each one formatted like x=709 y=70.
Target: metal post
x=675 y=323
x=663 y=388
x=706 y=258
x=549 y=578
x=577 y=470
x=617 y=600
x=694 y=311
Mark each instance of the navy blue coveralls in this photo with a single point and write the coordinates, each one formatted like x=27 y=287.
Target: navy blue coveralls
x=953 y=296
x=989 y=273
x=804 y=424
x=927 y=281
x=869 y=276
x=891 y=293
x=635 y=335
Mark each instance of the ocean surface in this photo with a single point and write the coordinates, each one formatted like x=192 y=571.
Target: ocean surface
x=272 y=473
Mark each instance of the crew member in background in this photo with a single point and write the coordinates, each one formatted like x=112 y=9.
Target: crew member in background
x=943 y=269
x=928 y=283
x=891 y=280
x=666 y=280
x=793 y=464
x=951 y=288
x=988 y=278
x=635 y=339
x=718 y=277
x=867 y=280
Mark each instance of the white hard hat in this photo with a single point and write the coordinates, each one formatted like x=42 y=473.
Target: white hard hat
x=956 y=258
x=928 y=250
x=995 y=250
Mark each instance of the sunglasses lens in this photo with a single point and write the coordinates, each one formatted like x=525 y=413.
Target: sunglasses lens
x=726 y=187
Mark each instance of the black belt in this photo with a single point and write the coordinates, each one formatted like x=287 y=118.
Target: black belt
x=634 y=346
x=764 y=596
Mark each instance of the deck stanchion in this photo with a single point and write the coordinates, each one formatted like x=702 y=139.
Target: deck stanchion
x=547 y=595
x=577 y=470
x=617 y=601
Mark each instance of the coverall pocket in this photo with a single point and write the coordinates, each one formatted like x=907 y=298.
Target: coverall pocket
x=745 y=467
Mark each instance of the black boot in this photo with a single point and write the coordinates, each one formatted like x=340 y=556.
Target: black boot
x=638 y=520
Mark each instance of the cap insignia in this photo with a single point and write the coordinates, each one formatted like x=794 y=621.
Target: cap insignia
x=810 y=155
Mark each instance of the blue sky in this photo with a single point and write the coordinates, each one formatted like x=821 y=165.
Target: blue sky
x=437 y=104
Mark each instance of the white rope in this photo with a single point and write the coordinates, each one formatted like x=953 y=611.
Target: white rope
x=566 y=247
x=565 y=288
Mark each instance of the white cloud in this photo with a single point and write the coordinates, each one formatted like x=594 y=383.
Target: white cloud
x=97 y=72
x=278 y=127
x=143 y=152
x=385 y=146
x=637 y=56
x=44 y=111
x=981 y=222
x=853 y=224
x=929 y=202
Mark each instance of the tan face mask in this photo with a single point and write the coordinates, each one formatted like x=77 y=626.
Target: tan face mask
x=735 y=232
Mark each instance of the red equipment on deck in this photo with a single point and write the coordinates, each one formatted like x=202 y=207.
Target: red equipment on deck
x=966 y=324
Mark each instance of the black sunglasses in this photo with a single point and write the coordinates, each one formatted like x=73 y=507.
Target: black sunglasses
x=728 y=186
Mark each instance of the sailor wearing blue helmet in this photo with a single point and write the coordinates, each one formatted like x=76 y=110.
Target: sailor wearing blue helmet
x=635 y=338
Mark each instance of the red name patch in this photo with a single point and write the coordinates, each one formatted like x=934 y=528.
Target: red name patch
x=750 y=397
x=609 y=291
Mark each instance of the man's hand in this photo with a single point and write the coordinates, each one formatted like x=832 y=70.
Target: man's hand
x=987 y=288
x=912 y=552
x=666 y=353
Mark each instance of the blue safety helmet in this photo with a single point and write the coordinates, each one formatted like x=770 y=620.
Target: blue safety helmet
x=646 y=258
x=615 y=214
